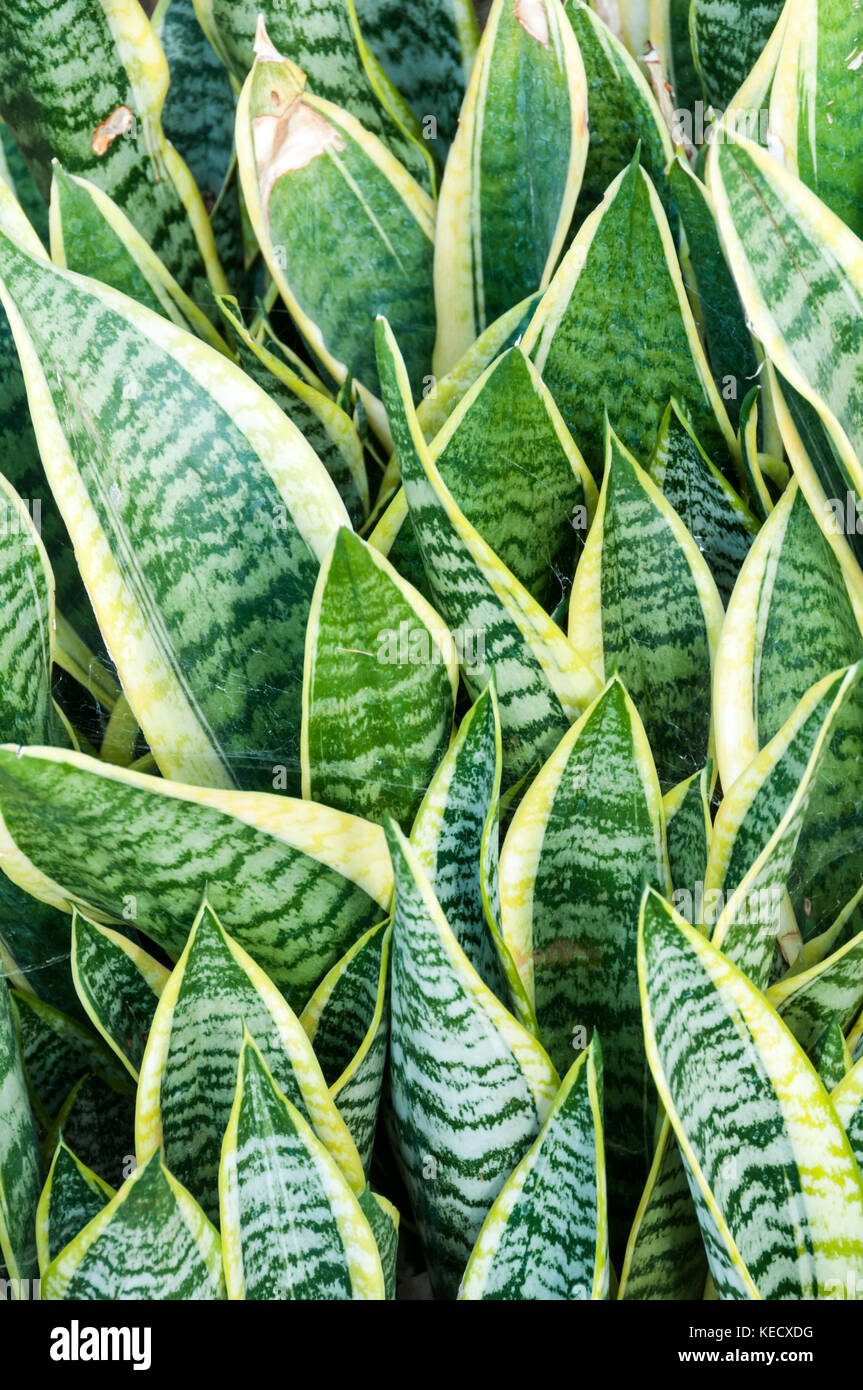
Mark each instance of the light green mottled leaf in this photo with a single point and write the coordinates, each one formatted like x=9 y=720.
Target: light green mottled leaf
x=513 y=174
x=830 y=1057
x=97 y=1121
x=20 y=1168
x=470 y=1089
x=35 y=948
x=665 y=1259
x=597 y=349
x=14 y=172
x=380 y=682
x=645 y=606
x=546 y=1237
x=119 y=985
x=767 y=1154
x=296 y=884
x=384 y=1220
x=152 y=1241
x=689 y=831
x=27 y=713
x=728 y=37
x=73 y=1194
x=831 y=990
x=587 y=836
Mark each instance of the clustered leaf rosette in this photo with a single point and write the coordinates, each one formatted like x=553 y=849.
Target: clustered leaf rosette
x=431 y=716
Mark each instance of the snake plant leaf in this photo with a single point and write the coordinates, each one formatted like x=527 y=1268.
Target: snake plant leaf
x=730 y=349
x=719 y=522
x=427 y=49
x=664 y=1259
x=766 y=1152
x=628 y=20
x=830 y=1057
x=650 y=613
x=56 y=1051
x=16 y=175
x=757 y=491
x=541 y=684
x=546 y=1237
x=513 y=173
x=119 y=985
x=151 y=1241
x=20 y=1166
x=291 y=1226
x=622 y=114
x=189 y=1071
x=669 y=34
x=802 y=288
x=35 y=948
x=384 y=1220
x=219 y=470
x=321 y=420
x=728 y=37
x=346 y=1022
x=689 y=832
x=470 y=1088
x=586 y=837
x=296 y=884
x=456 y=838
x=816 y=104
x=793 y=619
x=831 y=990
x=329 y=204
x=27 y=712
x=72 y=1196
x=97 y=1121
x=596 y=349
x=90 y=235
x=324 y=38
x=107 y=129
x=379 y=687
x=847 y=1101
x=776 y=829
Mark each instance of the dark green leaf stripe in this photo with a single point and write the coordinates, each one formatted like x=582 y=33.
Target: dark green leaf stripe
x=119 y=985
x=379 y=688
x=291 y=1226
x=456 y=839
x=347 y=1023
x=721 y=525
x=727 y=38
x=644 y=606
x=586 y=838
x=469 y=1087
x=20 y=1167
x=154 y=510
x=600 y=350
x=499 y=235
x=56 y=1051
x=296 y=884
x=65 y=70
x=541 y=685
x=546 y=1237
x=189 y=1071
x=329 y=203
x=151 y=1241
x=768 y=1156
x=71 y=1197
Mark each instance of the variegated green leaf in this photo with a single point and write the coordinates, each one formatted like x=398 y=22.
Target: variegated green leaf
x=546 y=1237
x=614 y=332
x=470 y=1088
x=541 y=684
x=97 y=1121
x=689 y=831
x=622 y=114
x=587 y=836
x=220 y=494
x=384 y=1220
x=513 y=174
x=73 y=1194
x=296 y=884
x=291 y=1226
x=792 y=620
x=665 y=1259
x=27 y=712
x=830 y=1057
x=816 y=103
x=92 y=236
x=721 y=525
x=801 y=286
x=152 y=1241
x=189 y=1071
x=85 y=83
x=757 y=491
x=35 y=948
x=832 y=990
x=119 y=985
x=427 y=48
x=456 y=838
x=645 y=606
x=20 y=1167
x=346 y=1021
x=728 y=37
x=771 y=1170
x=56 y=1051
x=669 y=34
x=14 y=172
x=847 y=1100
x=329 y=203
x=379 y=689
